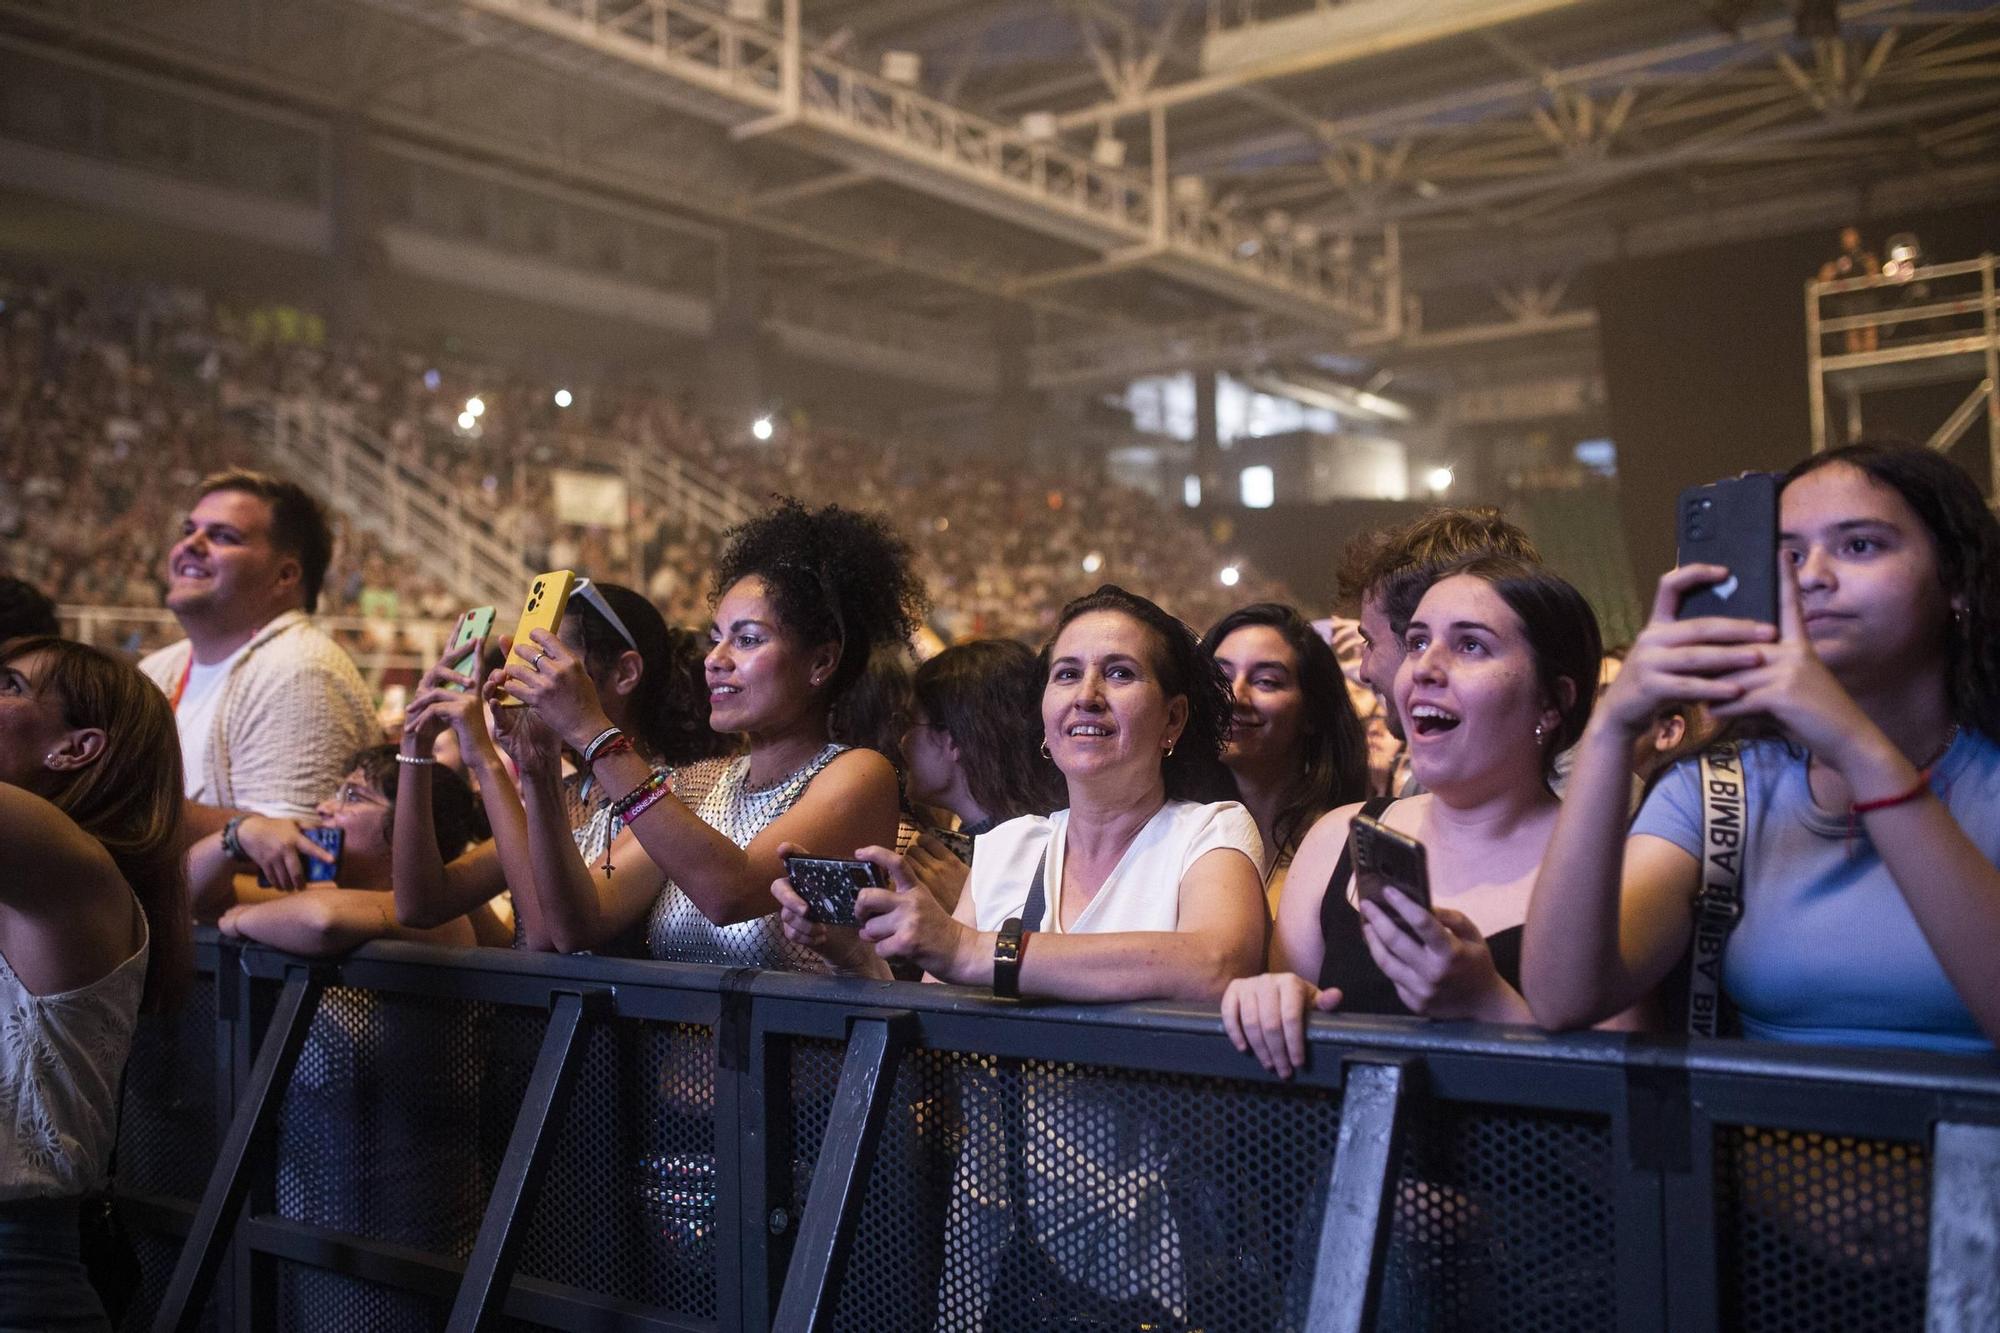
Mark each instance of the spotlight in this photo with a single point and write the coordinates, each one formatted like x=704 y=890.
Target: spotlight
x=1438 y=479
x=564 y=398
x=762 y=428
x=466 y=421
x=1093 y=562
x=432 y=379
x=475 y=407
x=1230 y=576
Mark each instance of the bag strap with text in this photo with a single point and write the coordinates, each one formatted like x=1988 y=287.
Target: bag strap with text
x=1719 y=903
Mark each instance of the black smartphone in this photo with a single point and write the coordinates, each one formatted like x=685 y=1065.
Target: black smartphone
x=1383 y=857
x=830 y=884
x=1734 y=524
x=317 y=871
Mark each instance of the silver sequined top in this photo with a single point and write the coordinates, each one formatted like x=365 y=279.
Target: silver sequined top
x=677 y=932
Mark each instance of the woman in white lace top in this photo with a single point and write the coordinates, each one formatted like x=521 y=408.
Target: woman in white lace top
x=93 y=922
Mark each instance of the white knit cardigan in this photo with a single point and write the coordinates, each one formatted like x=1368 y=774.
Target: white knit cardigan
x=293 y=712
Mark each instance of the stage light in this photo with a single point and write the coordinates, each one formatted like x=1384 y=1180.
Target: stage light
x=564 y=398
x=431 y=380
x=1093 y=562
x=1191 y=491
x=466 y=421
x=762 y=428
x=475 y=407
x=1230 y=576
x=1438 y=479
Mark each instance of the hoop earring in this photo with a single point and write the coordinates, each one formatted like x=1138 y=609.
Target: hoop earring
x=1045 y=751
x=1170 y=748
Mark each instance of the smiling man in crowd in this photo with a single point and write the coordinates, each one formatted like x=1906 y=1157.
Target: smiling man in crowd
x=269 y=708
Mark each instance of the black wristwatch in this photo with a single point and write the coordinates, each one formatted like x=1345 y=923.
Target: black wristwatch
x=1007 y=947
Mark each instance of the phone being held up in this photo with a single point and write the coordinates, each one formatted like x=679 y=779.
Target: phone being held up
x=548 y=598
x=1732 y=523
x=461 y=654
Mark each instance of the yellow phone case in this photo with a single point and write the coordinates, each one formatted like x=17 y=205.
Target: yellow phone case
x=548 y=596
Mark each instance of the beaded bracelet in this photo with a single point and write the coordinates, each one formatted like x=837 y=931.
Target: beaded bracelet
x=600 y=740
x=656 y=785
x=416 y=759
x=651 y=799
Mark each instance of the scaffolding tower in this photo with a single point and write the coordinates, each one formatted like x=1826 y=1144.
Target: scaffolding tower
x=1938 y=324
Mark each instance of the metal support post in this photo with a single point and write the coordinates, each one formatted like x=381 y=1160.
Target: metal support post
x=490 y=1268
x=1964 y=1290
x=250 y=1134
x=1354 y=1233
x=853 y=1131
x=1815 y=372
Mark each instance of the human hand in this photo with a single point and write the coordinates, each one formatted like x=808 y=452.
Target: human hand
x=1440 y=964
x=423 y=716
x=1682 y=661
x=1793 y=687
x=906 y=923
x=1266 y=1016
x=275 y=845
x=841 y=946
x=1344 y=637
x=551 y=680
x=530 y=742
x=938 y=869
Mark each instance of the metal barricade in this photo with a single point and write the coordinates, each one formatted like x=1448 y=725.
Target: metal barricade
x=419 y=1138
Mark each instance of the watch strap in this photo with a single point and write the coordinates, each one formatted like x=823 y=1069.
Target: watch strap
x=1007 y=959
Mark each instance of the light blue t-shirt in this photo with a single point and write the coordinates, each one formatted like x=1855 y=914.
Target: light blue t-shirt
x=1827 y=951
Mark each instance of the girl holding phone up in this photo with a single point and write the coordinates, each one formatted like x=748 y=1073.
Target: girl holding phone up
x=1499 y=678
x=1869 y=886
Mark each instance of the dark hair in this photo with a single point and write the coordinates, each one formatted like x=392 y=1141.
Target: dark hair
x=1966 y=537
x=875 y=710
x=1194 y=771
x=456 y=814
x=1333 y=770
x=25 y=610
x=1562 y=635
x=985 y=694
x=299 y=525
x=1396 y=567
x=129 y=797
x=669 y=710
x=833 y=575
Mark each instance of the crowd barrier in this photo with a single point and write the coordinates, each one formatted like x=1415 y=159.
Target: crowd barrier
x=412 y=1138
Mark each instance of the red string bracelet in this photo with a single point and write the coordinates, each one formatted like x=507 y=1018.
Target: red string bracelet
x=1859 y=808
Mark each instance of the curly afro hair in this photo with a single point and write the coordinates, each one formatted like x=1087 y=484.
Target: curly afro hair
x=833 y=575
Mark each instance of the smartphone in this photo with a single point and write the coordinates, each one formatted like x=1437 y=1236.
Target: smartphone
x=462 y=652
x=830 y=884
x=1383 y=857
x=548 y=598
x=1734 y=524
x=317 y=871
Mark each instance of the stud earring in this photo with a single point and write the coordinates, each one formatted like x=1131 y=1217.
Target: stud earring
x=1538 y=733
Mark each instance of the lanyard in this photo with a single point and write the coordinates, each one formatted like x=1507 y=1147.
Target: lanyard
x=180 y=686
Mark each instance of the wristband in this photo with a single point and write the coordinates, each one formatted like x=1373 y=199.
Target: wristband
x=230 y=845
x=416 y=759
x=1900 y=798
x=641 y=797
x=616 y=745
x=1008 y=946
x=599 y=741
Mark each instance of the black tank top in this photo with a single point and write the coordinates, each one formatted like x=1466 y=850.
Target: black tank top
x=1347 y=962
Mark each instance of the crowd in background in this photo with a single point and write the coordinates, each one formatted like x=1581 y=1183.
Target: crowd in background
x=116 y=396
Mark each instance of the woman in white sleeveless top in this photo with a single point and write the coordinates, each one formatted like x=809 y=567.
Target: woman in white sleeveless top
x=93 y=923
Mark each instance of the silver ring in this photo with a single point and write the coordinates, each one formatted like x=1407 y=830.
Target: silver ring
x=537 y=662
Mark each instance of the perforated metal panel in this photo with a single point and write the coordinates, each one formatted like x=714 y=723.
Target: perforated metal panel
x=629 y=1205
x=1819 y=1233
x=1150 y=1200
x=379 y=1133
x=156 y=1255
x=168 y=1132
x=312 y=1300
x=1501 y=1220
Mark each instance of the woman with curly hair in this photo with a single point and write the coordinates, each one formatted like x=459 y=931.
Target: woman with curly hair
x=1145 y=887
x=1870 y=860
x=802 y=597
x=93 y=924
